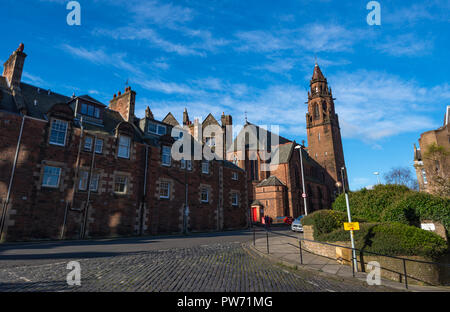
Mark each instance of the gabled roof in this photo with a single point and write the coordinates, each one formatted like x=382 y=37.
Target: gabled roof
x=209 y=120
x=270 y=181
x=260 y=133
x=90 y=99
x=171 y=120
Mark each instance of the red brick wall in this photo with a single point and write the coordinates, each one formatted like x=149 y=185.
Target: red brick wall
x=37 y=212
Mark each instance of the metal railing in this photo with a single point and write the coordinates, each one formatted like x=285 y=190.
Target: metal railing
x=361 y=253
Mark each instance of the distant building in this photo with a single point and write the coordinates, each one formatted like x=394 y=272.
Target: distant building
x=433 y=168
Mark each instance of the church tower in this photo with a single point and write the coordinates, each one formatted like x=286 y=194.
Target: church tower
x=322 y=127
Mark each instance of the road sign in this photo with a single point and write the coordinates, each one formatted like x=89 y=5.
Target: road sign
x=351 y=226
x=303 y=195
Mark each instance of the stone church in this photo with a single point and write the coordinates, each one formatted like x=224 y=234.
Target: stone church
x=277 y=190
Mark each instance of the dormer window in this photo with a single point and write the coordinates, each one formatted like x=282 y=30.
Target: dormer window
x=58 y=132
x=90 y=110
x=157 y=129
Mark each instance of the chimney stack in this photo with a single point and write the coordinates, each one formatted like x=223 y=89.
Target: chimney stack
x=124 y=104
x=13 y=67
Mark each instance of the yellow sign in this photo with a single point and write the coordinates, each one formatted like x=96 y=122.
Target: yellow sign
x=351 y=226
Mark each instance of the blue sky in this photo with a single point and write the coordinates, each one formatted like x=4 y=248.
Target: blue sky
x=390 y=81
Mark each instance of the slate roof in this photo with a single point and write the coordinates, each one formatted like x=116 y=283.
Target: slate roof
x=90 y=99
x=260 y=132
x=270 y=181
x=171 y=120
x=39 y=101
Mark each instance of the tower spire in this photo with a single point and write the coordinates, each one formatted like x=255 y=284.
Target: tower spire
x=322 y=126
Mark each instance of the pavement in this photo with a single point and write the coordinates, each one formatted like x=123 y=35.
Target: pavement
x=285 y=250
x=196 y=263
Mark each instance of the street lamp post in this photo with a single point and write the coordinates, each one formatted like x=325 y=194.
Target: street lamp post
x=378 y=176
x=355 y=263
x=299 y=147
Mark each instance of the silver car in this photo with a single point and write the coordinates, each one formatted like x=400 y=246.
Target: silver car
x=296 y=225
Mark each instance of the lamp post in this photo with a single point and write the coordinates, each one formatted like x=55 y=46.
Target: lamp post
x=355 y=263
x=299 y=147
x=378 y=176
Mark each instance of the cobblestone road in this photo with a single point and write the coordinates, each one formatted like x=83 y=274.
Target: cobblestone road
x=215 y=267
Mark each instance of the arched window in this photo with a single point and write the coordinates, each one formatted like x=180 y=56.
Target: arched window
x=316 y=111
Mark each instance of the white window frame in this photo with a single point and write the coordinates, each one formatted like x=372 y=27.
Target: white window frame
x=61 y=122
x=94 y=177
x=203 y=191
x=166 y=156
x=234 y=176
x=125 y=183
x=205 y=165
x=234 y=196
x=82 y=180
x=44 y=184
x=161 y=127
x=165 y=183
x=123 y=147
x=98 y=151
x=88 y=147
x=157 y=128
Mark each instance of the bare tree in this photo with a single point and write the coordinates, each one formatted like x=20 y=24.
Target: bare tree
x=401 y=176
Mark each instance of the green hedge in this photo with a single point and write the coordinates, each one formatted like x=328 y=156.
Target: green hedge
x=393 y=239
x=369 y=204
x=414 y=207
x=396 y=203
x=326 y=221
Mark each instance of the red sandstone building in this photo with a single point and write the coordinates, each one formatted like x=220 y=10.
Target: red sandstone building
x=71 y=167
x=276 y=190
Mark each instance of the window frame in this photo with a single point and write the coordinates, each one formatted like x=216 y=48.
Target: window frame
x=161 y=196
x=205 y=162
x=91 y=144
x=234 y=176
x=234 y=196
x=95 y=146
x=122 y=146
x=164 y=154
x=116 y=177
x=43 y=184
x=66 y=123
x=204 y=189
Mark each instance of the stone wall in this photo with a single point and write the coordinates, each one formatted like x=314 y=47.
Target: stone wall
x=391 y=268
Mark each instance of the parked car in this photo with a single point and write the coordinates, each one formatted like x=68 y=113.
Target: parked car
x=296 y=225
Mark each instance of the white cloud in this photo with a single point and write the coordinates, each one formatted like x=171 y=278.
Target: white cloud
x=312 y=37
x=26 y=76
x=375 y=105
x=405 y=45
